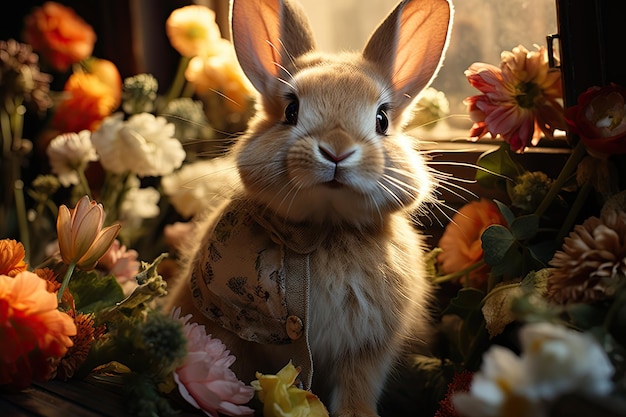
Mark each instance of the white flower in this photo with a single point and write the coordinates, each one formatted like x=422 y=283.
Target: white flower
x=563 y=360
x=144 y=145
x=498 y=389
x=554 y=361
x=200 y=185
x=68 y=153
x=138 y=202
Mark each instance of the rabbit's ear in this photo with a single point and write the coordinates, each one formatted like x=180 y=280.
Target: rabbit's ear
x=267 y=35
x=410 y=44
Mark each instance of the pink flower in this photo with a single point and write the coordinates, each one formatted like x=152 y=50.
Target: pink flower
x=121 y=263
x=521 y=99
x=205 y=379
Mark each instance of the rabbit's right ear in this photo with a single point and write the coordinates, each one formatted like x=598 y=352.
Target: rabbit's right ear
x=267 y=35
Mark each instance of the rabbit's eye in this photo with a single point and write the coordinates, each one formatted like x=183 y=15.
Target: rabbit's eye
x=291 y=111
x=382 y=121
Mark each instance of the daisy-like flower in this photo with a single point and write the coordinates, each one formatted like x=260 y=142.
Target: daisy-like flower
x=461 y=244
x=32 y=329
x=82 y=240
x=591 y=265
x=122 y=263
x=282 y=398
x=554 y=361
x=69 y=155
x=205 y=379
x=86 y=334
x=12 y=256
x=192 y=30
x=143 y=145
x=521 y=99
x=21 y=76
x=61 y=36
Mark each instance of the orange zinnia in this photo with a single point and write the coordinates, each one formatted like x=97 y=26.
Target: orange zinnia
x=32 y=329
x=461 y=241
x=86 y=101
x=12 y=257
x=59 y=35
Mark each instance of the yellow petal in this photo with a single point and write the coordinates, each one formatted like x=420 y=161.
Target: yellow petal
x=99 y=247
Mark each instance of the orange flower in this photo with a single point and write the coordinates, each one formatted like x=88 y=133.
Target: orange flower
x=192 y=30
x=12 y=257
x=461 y=243
x=59 y=35
x=82 y=240
x=77 y=354
x=86 y=101
x=107 y=72
x=221 y=72
x=32 y=329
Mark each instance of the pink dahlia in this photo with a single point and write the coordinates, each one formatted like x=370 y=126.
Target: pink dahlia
x=521 y=99
x=205 y=379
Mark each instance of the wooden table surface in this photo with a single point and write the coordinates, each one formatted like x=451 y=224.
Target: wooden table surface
x=77 y=398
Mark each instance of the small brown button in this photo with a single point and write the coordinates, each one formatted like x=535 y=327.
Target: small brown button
x=294 y=327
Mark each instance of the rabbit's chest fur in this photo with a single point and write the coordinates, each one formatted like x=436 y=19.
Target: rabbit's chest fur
x=366 y=289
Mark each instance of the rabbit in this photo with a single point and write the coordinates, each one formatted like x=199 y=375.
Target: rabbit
x=314 y=258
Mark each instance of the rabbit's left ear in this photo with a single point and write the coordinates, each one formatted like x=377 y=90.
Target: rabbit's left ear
x=409 y=46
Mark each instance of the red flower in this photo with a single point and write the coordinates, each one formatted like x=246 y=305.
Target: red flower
x=59 y=35
x=599 y=119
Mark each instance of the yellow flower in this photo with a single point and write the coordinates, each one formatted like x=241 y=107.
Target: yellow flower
x=192 y=30
x=82 y=240
x=281 y=398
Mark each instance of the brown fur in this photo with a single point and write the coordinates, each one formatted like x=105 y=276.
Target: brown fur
x=369 y=293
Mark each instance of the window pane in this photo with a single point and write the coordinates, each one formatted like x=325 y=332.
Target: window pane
x=482 y=30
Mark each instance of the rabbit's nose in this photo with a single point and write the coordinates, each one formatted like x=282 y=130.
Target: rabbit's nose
x=332 y=156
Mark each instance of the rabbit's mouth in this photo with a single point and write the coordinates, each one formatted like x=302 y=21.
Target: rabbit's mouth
x=334 y=184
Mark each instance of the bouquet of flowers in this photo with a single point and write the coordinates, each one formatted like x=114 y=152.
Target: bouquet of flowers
x=106 y=184
x=538 y=313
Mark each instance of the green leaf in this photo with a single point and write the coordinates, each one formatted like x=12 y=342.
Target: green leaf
x=496 y=242
x=524 y=227
x=93 y=292
x=466 y=301
x=497 y=166
x=506 y=211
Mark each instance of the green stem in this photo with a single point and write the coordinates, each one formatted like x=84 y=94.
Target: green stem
x=458 y=274
x=66 y=279
x=568 y=169
x=572 y=214
x=84 y=183
x=179 y=80
x=20 y=213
